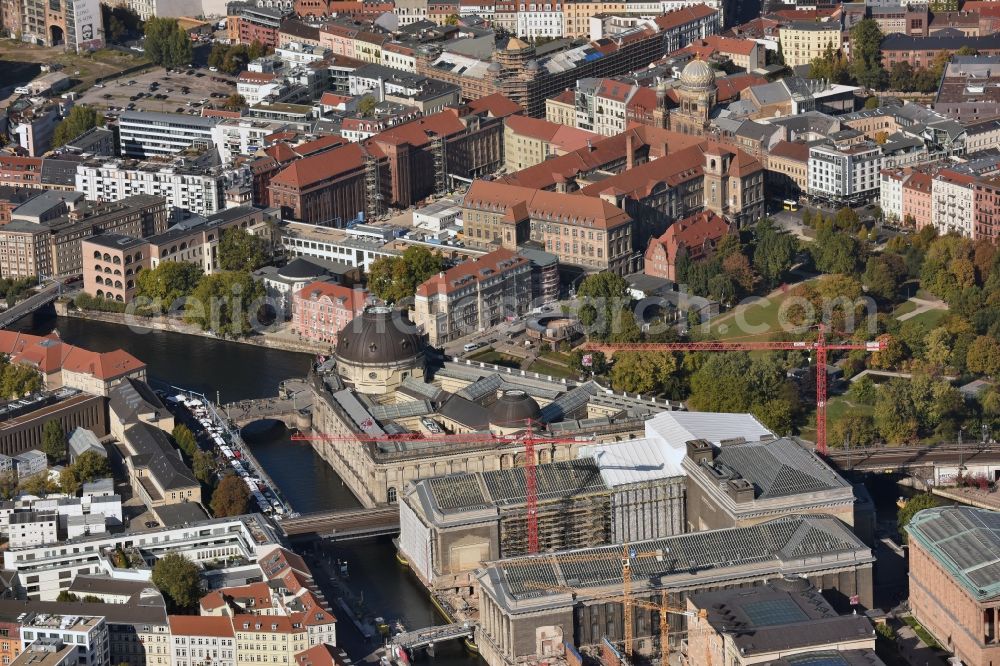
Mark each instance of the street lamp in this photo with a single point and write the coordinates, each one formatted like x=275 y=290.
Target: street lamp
x=961 y=452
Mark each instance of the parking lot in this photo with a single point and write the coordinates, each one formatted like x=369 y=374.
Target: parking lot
x=159 y=90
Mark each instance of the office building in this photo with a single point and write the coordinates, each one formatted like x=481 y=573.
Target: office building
x=143 y=134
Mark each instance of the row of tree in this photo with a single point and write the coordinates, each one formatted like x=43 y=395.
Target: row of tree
x=166 y=43
x=233 y=58
x=865 y=68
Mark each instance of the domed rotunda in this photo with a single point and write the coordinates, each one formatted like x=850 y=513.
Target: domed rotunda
x=379 y=349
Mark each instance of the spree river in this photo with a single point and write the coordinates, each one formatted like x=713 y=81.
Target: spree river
x=239 y=372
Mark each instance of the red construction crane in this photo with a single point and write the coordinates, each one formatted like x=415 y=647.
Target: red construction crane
x=528 y=439
x=819 y=345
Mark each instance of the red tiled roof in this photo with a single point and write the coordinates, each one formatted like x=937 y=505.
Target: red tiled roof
x=220 y=113
x=520 y=202
x=50 y=354
x=320 y=655
x=565 y=97
x=919 y=181
x=103 y=366
x=476 y=269
x=679 y=17
x=693 y=233
x=536 y=128
x=324 y=166
x=280 y=559
x=200 y=625
x=269 y=624
x=729 y=87
x=333 y=99
x=495 y=105
x=792 y=150
x=614 y=90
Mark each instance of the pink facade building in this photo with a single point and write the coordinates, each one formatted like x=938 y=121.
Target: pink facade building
x=917 y=199
x=322 y=309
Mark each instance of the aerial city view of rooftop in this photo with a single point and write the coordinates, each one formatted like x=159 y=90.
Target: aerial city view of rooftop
x=499 y=333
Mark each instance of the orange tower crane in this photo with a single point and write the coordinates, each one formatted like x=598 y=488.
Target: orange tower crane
x=819 y=345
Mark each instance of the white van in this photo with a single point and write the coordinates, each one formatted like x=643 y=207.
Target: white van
x=472 y=346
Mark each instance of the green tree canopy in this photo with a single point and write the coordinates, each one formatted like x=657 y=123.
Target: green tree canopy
x=598 y=362
x=395 y=279
x=222 y=303
x=203 y=466
x=38 y=484
x=235 y=102
x=913 y=506
x=835 y=252
x=866 y=55
x=983 y=356
x=177 y=578
x=773 y=251
x=604 y=312
x=646 y=372
x=168 y=282
x=79 y=119
x=231 y=497
x=366 y=106
x=166 y=43
x=185 y=439
x=54 y=441
x=239 y=250
x=19 y=379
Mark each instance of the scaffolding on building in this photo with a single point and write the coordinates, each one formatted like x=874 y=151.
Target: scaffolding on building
x=440 y=164
x=373 y=192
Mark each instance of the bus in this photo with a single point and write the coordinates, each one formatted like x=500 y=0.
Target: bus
x=790 y=204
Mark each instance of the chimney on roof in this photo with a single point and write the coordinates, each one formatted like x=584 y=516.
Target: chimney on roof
x=629 y=151
x=590 y=145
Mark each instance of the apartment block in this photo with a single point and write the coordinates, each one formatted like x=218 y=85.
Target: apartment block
x=803 y=41
x=845 y=174
x=111 y=265
x=953 y=198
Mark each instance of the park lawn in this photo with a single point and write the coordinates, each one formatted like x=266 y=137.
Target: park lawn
x=930 y=319
x=557 y=371
x=754 y=314
x=922 y=633
x=496 y=358
x=904 y=307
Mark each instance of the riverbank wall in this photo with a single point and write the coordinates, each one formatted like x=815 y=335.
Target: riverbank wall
x=269 y=341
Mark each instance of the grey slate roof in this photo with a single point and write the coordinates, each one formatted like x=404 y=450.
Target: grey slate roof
x=155 y=452
x=132 y=397
x=82 y=440
x=778 y=468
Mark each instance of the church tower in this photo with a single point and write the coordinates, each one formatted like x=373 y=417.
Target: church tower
x=697 y=95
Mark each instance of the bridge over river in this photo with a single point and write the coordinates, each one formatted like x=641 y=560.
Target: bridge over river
x=344 y=525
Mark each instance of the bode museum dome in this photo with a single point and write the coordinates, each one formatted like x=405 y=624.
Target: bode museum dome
x=379 y=349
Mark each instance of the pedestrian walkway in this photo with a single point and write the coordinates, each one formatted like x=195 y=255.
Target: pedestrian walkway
x=923 y=305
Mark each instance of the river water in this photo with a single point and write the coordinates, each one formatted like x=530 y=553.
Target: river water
x=240 y=372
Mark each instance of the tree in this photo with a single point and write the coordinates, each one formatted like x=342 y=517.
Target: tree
x=77 y=121
x=367 y=106
x=598 y=362
x=8 y=485
x=185 y=439
x=735 y=382
x=203 y=466
x=871 y=102
x=774 y=251
x=394 y=279
x=177 y=578
x=835 y=252
x=737 y=268
x=19 y=379
x=831 y=66
x=866 y=55
x=604 y=312
x=166 y=43
x=983 y=356
x=890 y=355
x=54 y=441
x=226 y=303
x=647 y=372
x=895 y=414
x=230 y=498
x=777 y=414
x=68 y=480
x=901 y=76
x=235 y=102
x=66 y=596
x=120 y=23
x=39 y=485
x=452 y=19
x=91 y=466
x=853 y=429
x=168 y=282
x=239 y=250
x=913 y=506
x=880 y=279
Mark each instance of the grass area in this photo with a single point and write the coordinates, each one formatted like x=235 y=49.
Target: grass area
x=555 y=356
x=922 y=633
x=745 y=320
x=929 y=318
x=904 y=307
x=836 y=408
x=496 y=358
x=22 y=63
x=543 y=368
